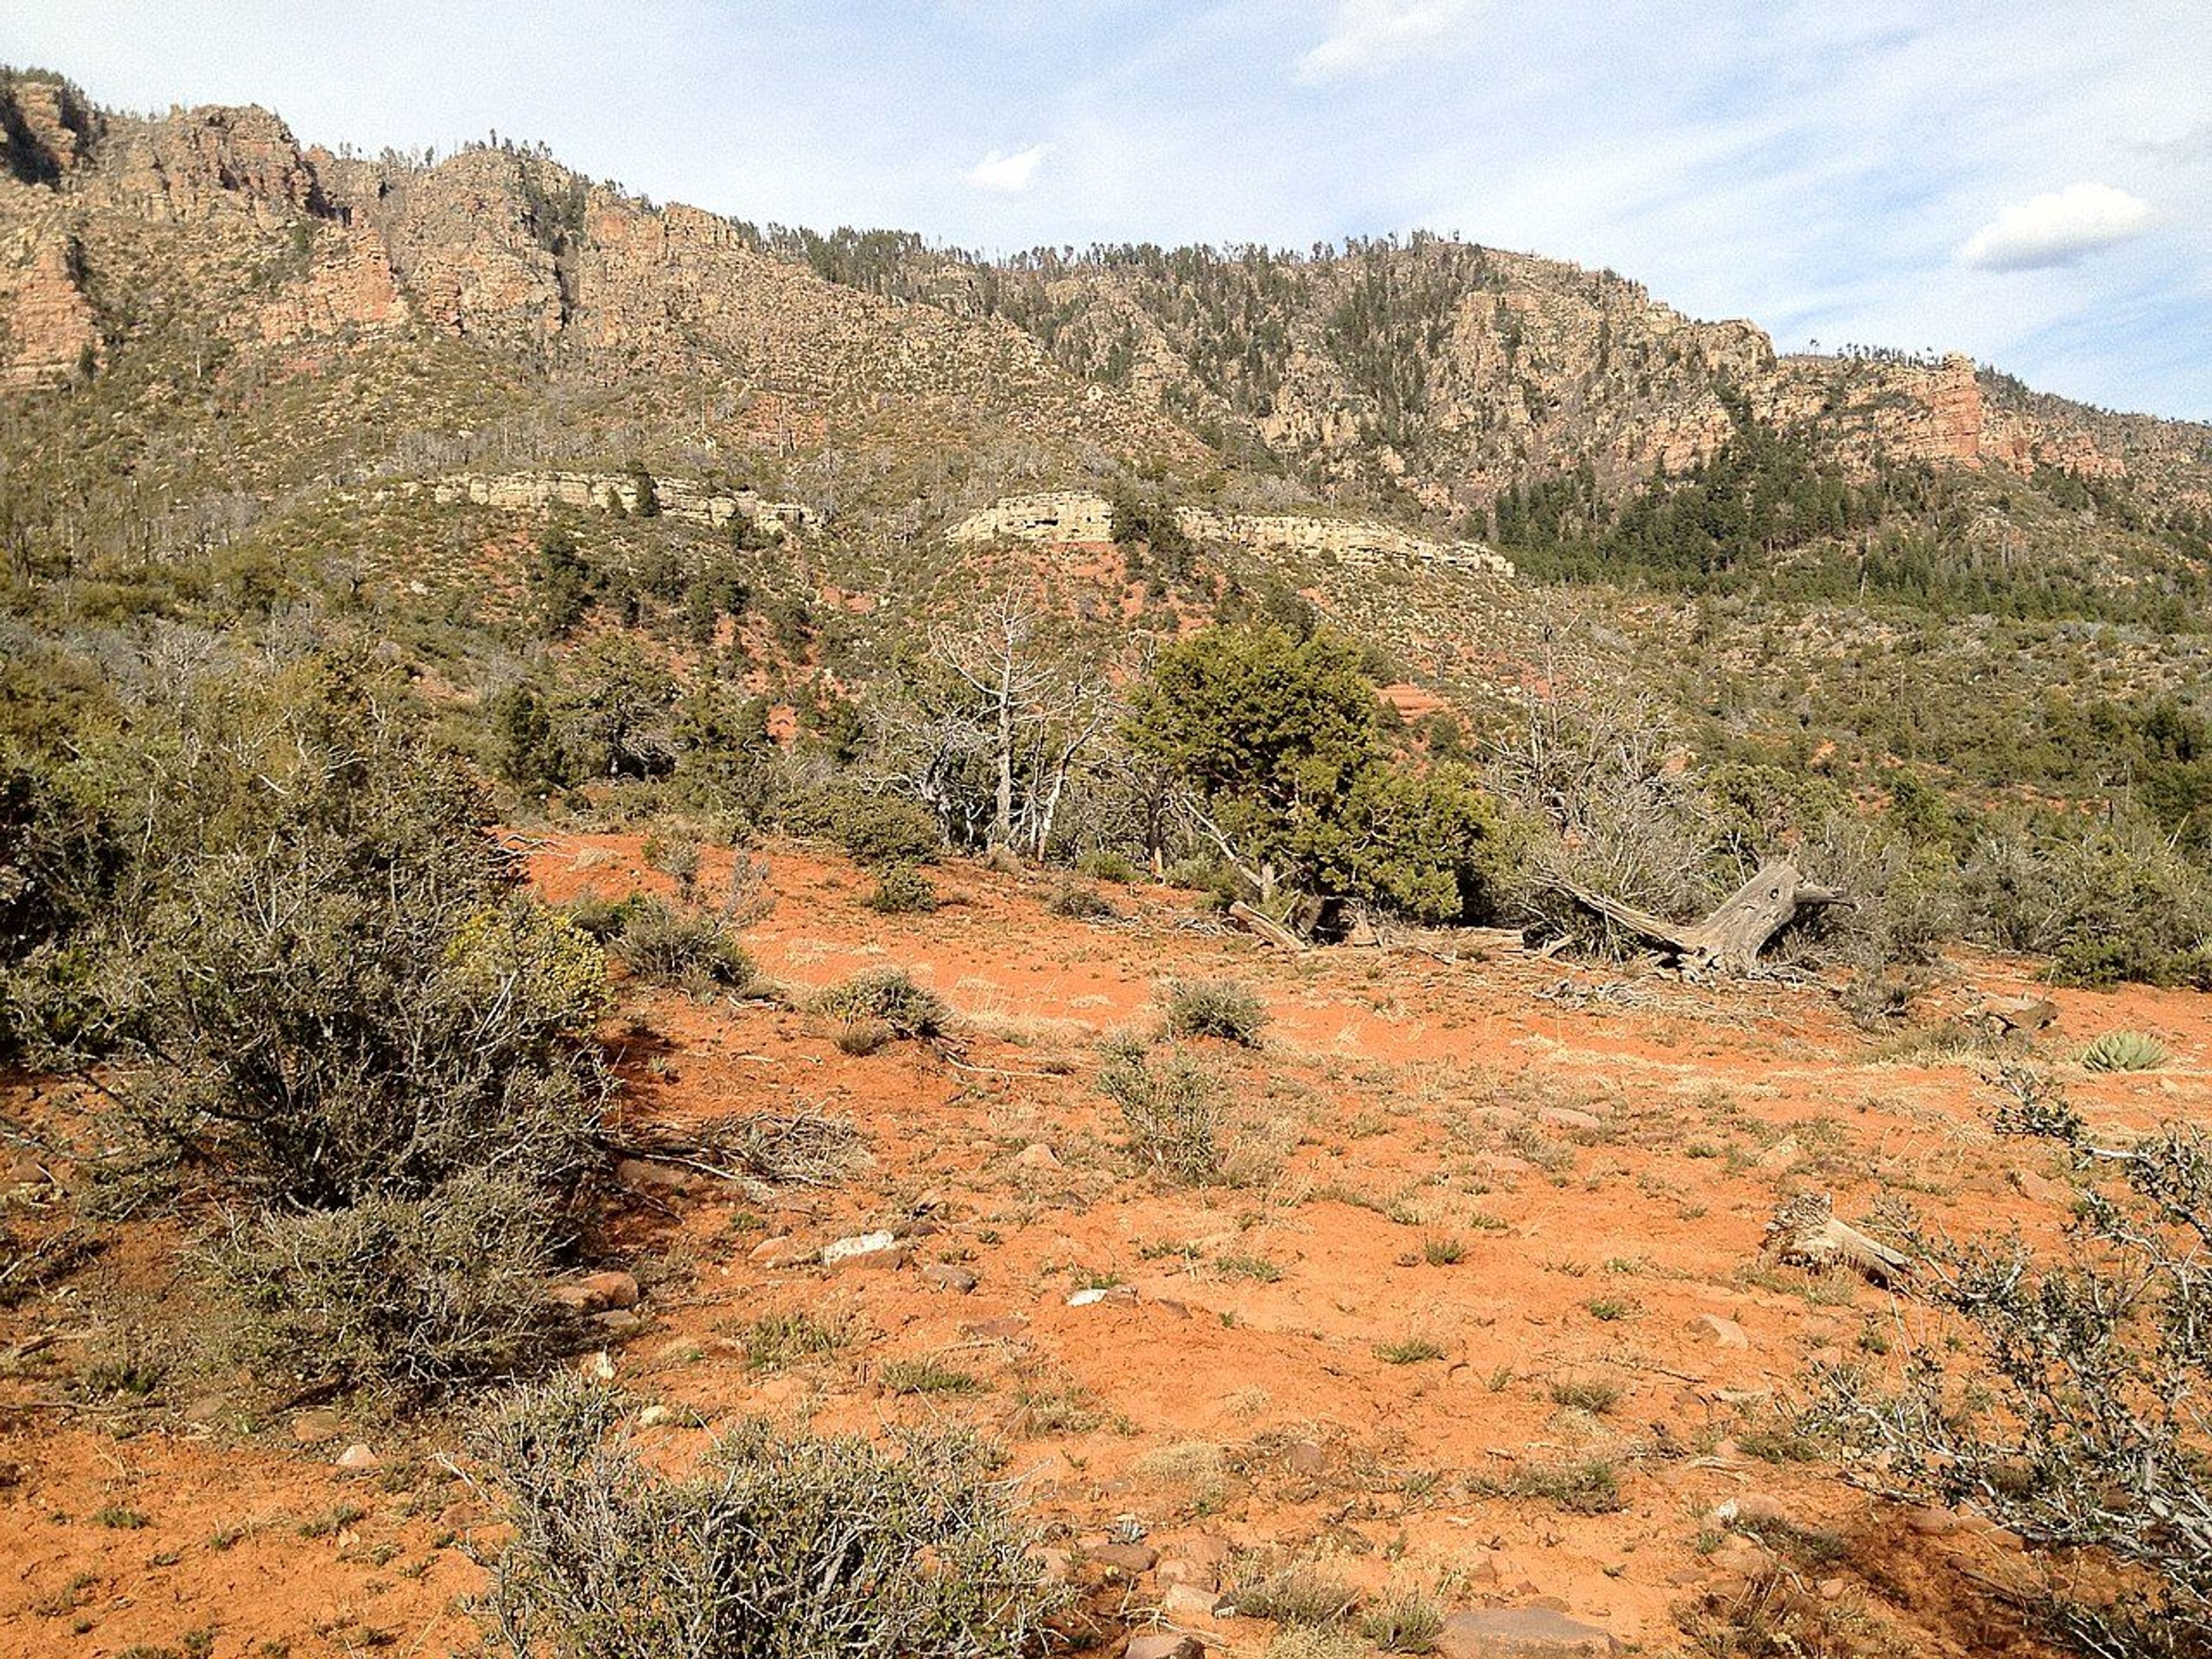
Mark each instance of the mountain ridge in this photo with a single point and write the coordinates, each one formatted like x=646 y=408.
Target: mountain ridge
x=1425 y=374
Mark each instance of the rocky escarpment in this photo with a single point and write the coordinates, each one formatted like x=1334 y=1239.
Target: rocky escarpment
x=1071 y=518
x=1429 y=376
x=47 y=328
x=686 y=500
x=1447 y=373
x=318 y=256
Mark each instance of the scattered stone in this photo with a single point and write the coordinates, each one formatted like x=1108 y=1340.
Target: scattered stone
x=1009 y=1328
x=1721 y=1333
x=1196 y=1561
x=618 y=1324
x=1163 y=1644
x=309 y=1427
x=1832 y=1589
x=1092 y=1297
x=1129 y=1559
x=207 y=1408
x=1741 y=1558
x=781 y=1251
x=595 y=1292
x=1567 y=1117
x=1753 y=1508
x=1780 y=1156
x=949 y=1276
x=1306 y=1457
x=858 y=1246
x=1188 y=1602
x=358 y=1459
x=638 y=1175
x=1520 y=1633
x=1037 y=1156
x=1054 y=1566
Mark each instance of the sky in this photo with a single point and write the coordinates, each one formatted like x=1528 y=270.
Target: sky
x=2029 y=182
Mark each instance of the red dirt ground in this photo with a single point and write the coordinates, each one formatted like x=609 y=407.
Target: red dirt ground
x=1602 y=1147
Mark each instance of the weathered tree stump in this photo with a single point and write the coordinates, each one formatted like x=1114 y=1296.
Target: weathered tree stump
x=1734 y=935
x=1805 y=1233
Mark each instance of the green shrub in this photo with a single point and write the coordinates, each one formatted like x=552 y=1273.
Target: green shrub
x=1403 y=1621
x=688 y=949
x=328 y=995
x=604 y=919
x=887 y=997
x=2115 y=903
x=1073 y=899
x=1108 y=866
x=780 y=1543
x=326 y=1032
x=873 y=829
x=1300 y=1591
x=674 y=856
x=1173 y=1108
x=903 y=889
x=1275 y=743
x=61 y=861
x=411 y=1296
x=1213 y=1008
x=2124 y=1051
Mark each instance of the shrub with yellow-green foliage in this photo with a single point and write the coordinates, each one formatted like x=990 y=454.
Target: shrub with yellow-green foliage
x=781 y=1542
x=330 y=995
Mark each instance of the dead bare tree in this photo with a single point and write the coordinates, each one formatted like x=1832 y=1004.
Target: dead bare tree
x=1014 y=715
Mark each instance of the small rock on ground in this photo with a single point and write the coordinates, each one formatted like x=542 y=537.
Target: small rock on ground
x=1520 y=1633
x=595 y=1292
x=860 y=1245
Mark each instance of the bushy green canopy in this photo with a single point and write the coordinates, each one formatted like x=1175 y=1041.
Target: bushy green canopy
x=1277 y=744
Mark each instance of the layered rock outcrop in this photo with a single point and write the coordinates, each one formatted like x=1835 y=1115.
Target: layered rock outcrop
x=47 y=328
x=1067 y=518
x=687 y=501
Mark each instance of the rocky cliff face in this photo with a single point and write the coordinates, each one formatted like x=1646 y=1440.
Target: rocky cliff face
x=1432 y=376
x=1448 y=374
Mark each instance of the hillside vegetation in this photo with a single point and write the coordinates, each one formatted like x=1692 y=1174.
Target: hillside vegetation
x=455 y=613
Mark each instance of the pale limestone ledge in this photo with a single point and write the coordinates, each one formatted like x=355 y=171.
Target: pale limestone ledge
x=681 y=499
x=1071 y=515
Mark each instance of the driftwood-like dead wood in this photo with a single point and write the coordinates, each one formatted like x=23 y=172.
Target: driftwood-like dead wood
x=2024 y=1015
x=1734 y=935
x=1805 y=1233
x=1264 y=927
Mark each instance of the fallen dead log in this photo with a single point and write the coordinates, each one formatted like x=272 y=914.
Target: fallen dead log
x=1734 y=935
x=1805 y=1233
x=2021 y=1016
x=1264 y=927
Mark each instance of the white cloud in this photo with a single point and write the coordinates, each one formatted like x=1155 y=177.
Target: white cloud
x=2056 y=227
x=1009 y=175
x=1369 y=35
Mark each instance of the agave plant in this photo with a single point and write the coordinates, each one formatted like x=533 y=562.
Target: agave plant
x=2124 y=1051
